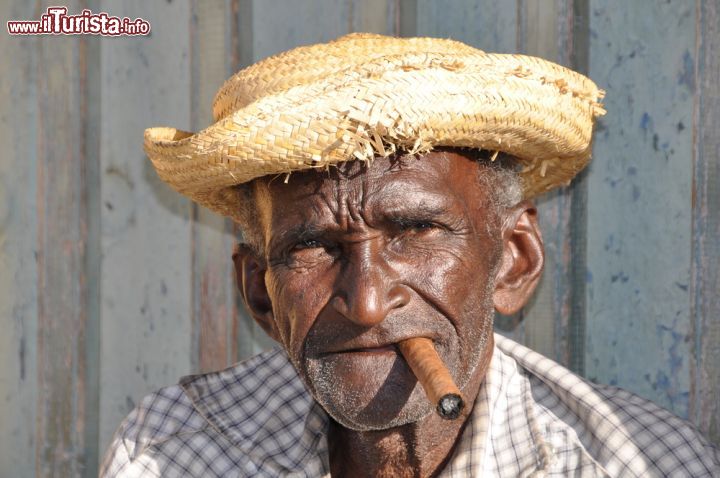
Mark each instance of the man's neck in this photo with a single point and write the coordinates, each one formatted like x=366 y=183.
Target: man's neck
x=416 y=450
x=419 y=449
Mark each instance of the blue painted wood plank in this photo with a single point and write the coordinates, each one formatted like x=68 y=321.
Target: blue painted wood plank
x=215 y=310
x=146 y=278
x=62 y=224
x=489 y=25
x=543 y=32
x=705 y=286
x=639 y=200
x=18 y=235
x=280 y=25
x=92 y=110
x=374 y=16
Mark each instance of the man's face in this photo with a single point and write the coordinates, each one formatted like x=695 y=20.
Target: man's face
x=363 y=257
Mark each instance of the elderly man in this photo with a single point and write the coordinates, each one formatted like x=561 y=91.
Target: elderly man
x=382 y=186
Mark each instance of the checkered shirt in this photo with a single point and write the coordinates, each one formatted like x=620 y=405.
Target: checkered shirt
x=532 y=417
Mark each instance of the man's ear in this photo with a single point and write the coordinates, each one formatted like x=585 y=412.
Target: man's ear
x=250 y=272
x=522 y=260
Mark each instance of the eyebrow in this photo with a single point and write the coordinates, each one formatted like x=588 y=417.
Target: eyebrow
x=402 y=215
x=299 y=232
x=420 y=211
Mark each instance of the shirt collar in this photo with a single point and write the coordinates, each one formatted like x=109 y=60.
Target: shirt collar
x=498 y=402
x=263 y=408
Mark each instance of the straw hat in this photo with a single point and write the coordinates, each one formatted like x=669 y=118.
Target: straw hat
x=363 y=96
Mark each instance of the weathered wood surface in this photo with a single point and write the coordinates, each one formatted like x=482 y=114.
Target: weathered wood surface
x=215 y=311
x=485 y=24
x=546 y=30
x=146 y=309
x=705 y=280
x=61 y=241
x=639 y=209
x=112 y=285
x=18 y=264
x=45 y=180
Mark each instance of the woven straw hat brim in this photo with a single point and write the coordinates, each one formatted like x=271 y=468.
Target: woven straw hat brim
x=535 y=110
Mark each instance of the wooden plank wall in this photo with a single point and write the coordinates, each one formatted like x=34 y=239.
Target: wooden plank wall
x=704 y=407
x=18 y=236
x=642 y=257
x=146 y=280
x=111 y=285
x=214 y=308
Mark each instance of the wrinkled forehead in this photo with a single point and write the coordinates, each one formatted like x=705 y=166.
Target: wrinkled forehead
x=441 y=180
x=429 y=169
x=429 y=173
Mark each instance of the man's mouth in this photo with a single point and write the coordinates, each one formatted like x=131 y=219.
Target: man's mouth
x=365 y=347
x=382 y=349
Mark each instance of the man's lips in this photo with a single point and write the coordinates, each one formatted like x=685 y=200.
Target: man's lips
x=365 y=347
x=368 y=349
x=382 y=349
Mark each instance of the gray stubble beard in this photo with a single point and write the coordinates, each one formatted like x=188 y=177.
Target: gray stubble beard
x=342 y=404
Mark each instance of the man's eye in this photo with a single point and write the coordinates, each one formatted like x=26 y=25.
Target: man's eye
x=423 y=225
x=418 y=226
x=307 y=244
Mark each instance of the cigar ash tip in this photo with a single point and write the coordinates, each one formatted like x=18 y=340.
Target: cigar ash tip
x=450 y=406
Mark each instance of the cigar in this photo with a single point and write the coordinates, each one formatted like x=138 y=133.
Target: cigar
x=434 y=377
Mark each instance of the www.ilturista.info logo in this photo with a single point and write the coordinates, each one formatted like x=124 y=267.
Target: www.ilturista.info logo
x=56 y=21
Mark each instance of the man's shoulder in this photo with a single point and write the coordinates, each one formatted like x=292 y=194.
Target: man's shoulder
x=623 y=432
x=155 y=420
x=182 y=408
x=232 y=410
x=670 y=441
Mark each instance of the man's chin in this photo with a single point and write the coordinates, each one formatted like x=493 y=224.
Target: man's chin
x=375 y=417
x=383 y=394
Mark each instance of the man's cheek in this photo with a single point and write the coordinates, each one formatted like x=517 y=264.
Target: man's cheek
x=282 y=308
x=448 y=275
x=296 y=305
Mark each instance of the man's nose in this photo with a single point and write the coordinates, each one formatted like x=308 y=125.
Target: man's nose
x=368 y=289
